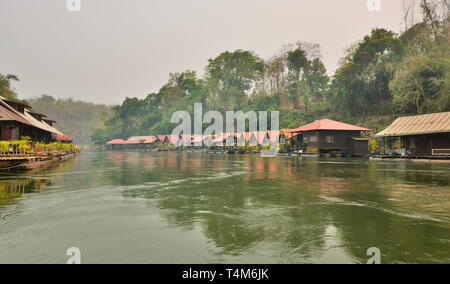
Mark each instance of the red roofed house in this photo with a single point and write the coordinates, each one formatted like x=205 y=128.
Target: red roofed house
x=115 y=144
x=332 y=136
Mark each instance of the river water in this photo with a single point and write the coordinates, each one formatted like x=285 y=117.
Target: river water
x=169 y=207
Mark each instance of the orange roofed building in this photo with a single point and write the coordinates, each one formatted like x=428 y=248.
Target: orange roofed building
x=327 y=135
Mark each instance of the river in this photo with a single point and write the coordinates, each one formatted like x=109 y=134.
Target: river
x=170 y=207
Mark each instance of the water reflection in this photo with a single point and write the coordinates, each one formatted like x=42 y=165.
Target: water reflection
x=12 y=188
x=247 y=203
x=257 y=210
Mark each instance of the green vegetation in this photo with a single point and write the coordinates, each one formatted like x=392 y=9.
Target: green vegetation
x=26 y=146
x=77 y=119
x=5 y=86
x=381 y=77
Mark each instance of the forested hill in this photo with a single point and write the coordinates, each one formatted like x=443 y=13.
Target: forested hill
x=381 y=77
x=75 y=118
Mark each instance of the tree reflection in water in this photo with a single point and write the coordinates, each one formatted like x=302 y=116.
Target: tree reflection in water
x=299 y=208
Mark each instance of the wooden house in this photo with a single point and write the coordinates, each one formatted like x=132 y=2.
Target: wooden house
x=420 y=135
x=327 y=135
x=18 y=120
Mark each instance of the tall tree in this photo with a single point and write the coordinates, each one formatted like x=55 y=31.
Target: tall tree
x=233 y=74
x=298 y=63
x=317 y=79
x=5 y=86
x=362 y=82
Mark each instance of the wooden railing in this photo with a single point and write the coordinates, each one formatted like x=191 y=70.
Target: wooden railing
x=26 y=149
x=441 y=152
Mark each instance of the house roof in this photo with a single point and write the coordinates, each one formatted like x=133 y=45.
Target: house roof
x=197 y=138
x=138 y=139
x=274 y=135
x=260 y=136
x=247 y=136
x=150 y=140
x=418 y=125
x=8 y=113
x=288 y=133
x=23 y=103
x=173 y=139
x=62 y=137
x=161 y=138
x=116 y=141
x=42 y=124
x=328 y=124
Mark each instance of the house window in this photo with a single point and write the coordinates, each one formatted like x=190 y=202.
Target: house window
x=330 y=139
x=412 y=143
x=15 y=134
x=313 y=139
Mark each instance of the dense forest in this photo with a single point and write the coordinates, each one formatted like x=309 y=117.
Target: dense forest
x=75 y=118
x=383 y=76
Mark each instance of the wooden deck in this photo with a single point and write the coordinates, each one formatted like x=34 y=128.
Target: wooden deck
x=412 y=158
x=27 y=162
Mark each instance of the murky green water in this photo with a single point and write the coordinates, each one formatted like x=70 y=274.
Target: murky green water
x=127 y=207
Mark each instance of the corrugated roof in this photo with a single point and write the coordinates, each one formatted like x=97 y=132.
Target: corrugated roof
x=196 y=138
x=151 y=140
x=162 y=138
x=116 y=141
x=139 y=138
x=40 y=124
x=274 y=135
x=62 y=137
x=247 y=136
x=261 y=136
x=8 y=113
x=328 y=124
x=174 y=139
x=418 y=125
x=288 y=133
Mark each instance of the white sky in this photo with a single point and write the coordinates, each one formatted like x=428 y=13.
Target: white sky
x=118 y=48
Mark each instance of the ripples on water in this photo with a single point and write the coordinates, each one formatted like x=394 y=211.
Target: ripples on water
x=200 y=208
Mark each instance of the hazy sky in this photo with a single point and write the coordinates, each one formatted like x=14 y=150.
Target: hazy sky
x=118 y=48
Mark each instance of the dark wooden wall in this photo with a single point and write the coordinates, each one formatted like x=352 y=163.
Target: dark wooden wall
x=426 y=143
x=340 y=143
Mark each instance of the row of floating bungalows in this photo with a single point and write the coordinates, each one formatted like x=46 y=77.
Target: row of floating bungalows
x=420 y=136
x=322 y=136
x=224 y=140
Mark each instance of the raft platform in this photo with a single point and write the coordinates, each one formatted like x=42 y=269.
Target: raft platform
x=24 y=162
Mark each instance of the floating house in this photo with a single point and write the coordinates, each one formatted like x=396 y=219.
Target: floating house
x=327 y=136
x=18 y=120
x=115 y=144
x=420 y=136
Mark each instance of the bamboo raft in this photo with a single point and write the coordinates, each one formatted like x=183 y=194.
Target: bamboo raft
x=29 y=162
